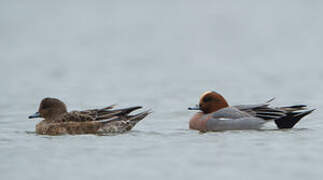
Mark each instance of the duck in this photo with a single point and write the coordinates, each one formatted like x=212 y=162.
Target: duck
x=58 y=121
x=215 y=114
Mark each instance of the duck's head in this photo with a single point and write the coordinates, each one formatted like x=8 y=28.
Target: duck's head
x=210 y=101
x=50 y=108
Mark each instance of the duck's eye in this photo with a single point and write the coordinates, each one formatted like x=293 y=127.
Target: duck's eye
x=45 y=106
x=207 y=99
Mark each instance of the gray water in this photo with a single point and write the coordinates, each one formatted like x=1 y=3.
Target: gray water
x=161 y=55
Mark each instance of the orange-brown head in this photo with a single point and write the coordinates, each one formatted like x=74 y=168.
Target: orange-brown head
x=49 y=109
x=211 y=101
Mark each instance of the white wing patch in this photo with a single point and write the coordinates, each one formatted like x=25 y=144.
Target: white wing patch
x=224 y=119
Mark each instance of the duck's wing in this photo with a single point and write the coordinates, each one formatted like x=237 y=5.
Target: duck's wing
x=262 y=111
x=222 y=124
x=109 y=112
x=75 y=116
x=284 y=117
x=116 y=120
x=232 y=119
x=104 y=114
x=230 y=113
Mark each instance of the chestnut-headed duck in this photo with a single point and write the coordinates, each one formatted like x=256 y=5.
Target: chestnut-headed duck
x=216 y=114
x=58 y=121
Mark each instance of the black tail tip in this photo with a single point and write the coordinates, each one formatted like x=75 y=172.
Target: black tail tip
x=289 y=121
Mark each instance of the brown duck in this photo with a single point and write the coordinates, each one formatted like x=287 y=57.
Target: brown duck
x=58 y=121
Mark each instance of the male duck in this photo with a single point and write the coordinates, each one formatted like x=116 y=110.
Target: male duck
x=58 y=121
x=217 y=115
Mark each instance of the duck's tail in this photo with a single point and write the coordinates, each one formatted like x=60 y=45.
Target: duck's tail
x=121 y=124
x=294 y=108
x=106 y=114
x=292 y=117
x=134 y=119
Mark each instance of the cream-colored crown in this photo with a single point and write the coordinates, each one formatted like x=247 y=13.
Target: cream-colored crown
x=205 y=93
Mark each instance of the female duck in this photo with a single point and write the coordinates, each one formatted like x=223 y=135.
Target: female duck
x=58 y=121
x=217 y=115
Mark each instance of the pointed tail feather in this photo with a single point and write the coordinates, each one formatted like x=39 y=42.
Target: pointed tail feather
x=134 y=119
x=294 y=108
x=123 y=111
x=270 y=100
x=126 y=111
x=291 y=119
x=106 y=114
x=106 y=121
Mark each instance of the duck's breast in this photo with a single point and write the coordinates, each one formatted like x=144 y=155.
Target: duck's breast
x=45 y=128
x=198 y=121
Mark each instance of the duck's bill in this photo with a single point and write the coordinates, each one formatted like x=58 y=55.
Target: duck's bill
x=197 y=107
x=36 y=115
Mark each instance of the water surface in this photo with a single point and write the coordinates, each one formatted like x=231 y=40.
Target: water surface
x=161 y=55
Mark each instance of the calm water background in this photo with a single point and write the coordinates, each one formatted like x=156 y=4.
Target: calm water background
x=162 y=55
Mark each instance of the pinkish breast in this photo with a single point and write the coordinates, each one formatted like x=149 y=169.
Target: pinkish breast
x=198 y=121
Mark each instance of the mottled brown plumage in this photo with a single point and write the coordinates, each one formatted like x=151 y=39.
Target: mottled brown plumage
x=58 y=121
